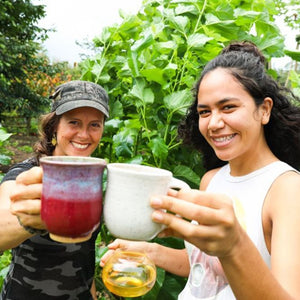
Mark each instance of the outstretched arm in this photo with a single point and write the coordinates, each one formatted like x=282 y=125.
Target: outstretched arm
x=219 y=233
x=20 y=199
x=172 y=260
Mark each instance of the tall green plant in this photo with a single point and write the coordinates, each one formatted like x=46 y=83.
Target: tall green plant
x=149 y=64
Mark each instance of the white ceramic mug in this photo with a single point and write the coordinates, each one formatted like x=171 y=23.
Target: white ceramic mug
x=127 y=210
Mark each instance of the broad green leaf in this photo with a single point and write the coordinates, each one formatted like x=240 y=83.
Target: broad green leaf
x=198 y=40
x=98 y=67
x=271 y=43
x=243 y=16
x=123 y=142
x=113 y=123
x=4 y=135
x=179 y=22
x=139 y=91
x=158 y=147
x=173 y=285
x=183 y=9
x=155 y=74
x=5 y=160
x=295 y=55
x=141 y=44
x=165 y=47
x=133 y=63
x=178 y=101
x=185 y=172
x=116 y=110
x=170 y=71
x=133 y=124
x=104 y=37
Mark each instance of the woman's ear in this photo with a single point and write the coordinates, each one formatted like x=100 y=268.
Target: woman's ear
x=266 y=107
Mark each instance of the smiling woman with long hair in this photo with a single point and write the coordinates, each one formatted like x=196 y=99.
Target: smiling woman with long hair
x=242 y=228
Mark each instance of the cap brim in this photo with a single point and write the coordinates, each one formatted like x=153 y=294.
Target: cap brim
x=65 y=107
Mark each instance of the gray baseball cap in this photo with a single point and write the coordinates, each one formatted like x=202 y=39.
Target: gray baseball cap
x=75 y=94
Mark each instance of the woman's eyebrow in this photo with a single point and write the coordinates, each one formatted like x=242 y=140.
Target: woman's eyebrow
x=220 y=102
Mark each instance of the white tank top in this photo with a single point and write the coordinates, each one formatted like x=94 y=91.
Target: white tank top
x=207 y=279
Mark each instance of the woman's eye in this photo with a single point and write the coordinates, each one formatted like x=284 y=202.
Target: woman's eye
x=73 y=122
x=228 y=107
x=96 y=125
x=203 y=113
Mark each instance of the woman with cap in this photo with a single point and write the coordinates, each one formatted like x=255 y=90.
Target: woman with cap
x=42 y=268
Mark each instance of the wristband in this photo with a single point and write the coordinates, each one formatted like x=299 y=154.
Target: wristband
x=32 y=230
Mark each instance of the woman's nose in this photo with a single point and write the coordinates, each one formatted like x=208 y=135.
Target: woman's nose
x=215 y=122
x=83 y=132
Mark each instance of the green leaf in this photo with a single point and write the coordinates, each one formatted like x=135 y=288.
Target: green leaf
x=295 y=55
x=98 y=67
x=146 y=41
x=123 y=142
x=116 y=110
x=173 y=285
x=179 y=22
x=183 y=9
x=113 y=124
x=185 y=172
x=178 y=101
x=143 y=94
x=155 y=74
x=165 y=47
x=198 y=40
x=158 y=147
x=4 y=135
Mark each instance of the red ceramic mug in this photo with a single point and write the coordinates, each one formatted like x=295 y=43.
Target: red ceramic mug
x=71 y=196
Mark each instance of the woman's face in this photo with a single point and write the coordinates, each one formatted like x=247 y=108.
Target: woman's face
x=79 y=132
x=228 y=117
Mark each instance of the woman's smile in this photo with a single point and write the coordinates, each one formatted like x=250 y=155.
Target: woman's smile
x=224 y=140
x=80 y=145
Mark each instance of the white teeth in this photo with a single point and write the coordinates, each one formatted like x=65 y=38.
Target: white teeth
x=80 y=146
x=224 y=138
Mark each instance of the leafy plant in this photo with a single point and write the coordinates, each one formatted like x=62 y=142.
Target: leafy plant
x=4 y=158
x=5 y=259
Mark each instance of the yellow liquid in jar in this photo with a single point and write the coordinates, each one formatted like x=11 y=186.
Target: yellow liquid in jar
x=129 y=279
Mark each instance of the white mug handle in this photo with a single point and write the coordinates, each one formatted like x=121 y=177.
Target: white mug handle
x=178 y=184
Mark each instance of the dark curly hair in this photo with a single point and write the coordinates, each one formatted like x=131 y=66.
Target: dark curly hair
x=246 y=63
x=48 y=127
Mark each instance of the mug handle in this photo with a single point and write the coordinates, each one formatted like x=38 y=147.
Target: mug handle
x=178 y=184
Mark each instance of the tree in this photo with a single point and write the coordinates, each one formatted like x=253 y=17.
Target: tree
x=19 y=45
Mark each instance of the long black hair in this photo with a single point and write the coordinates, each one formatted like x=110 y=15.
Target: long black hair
x=246 y=63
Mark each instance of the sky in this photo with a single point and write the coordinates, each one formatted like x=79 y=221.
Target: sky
x=79 y=21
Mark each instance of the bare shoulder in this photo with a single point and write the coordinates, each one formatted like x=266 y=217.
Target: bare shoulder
x=284 y=193
x=206 y=178
x=287 y=180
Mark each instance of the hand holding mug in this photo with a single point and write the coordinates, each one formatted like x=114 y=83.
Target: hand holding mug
x=127 y=210
x=215 y=228
x=26 y=198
